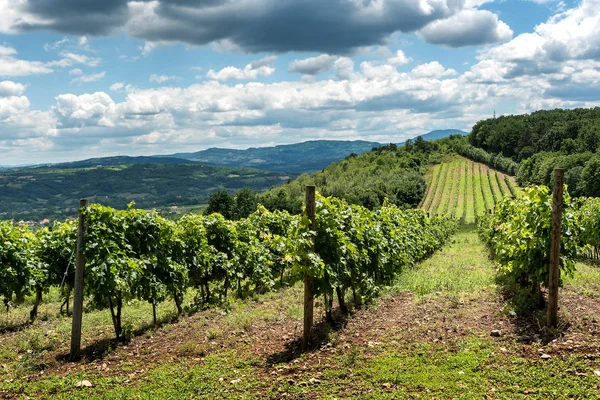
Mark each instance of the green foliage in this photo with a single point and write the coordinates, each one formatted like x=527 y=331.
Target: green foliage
x=221 y=202
x=589 y=217
x=135 y=254
x=18 y=264
x=496 y=161
x=521 y=136
x=518 y=235
x=388 y=172
x=364 y=250
x=245 y=202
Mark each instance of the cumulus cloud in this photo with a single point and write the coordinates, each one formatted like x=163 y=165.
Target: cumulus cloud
x=262 y=67
x=399 y=58
x=76 y=71
x=89 y=78
x=9 y=88
x=467 y=28
x=432 y=70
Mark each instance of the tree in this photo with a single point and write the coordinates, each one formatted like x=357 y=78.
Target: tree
x=590 y=177
x=245 y=202
x=221 y=202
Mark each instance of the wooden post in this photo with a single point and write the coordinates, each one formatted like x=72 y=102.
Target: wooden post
x=311 y=206
x=78 y=287
x=557 y=203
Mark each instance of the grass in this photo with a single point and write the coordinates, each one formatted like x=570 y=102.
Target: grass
x=464 y=189
x=470 y=195
x=451 y=271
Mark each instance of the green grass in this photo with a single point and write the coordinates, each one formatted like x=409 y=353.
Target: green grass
x=440 y=187
x=452 y=270
x=459 y=206
x=586 y=279
x=470 y=194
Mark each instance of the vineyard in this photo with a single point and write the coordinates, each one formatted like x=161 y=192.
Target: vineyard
x=464 y=189
x=134 y=254
x=206 y=306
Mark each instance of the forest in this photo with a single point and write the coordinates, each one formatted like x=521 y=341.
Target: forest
x=544 y=140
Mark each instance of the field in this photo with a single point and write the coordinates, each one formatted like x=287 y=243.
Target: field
x=428 y=336
x=464 y=189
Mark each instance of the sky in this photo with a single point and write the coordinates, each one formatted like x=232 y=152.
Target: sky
x=88 y=78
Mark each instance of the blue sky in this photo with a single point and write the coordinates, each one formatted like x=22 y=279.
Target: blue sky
x=84 y=78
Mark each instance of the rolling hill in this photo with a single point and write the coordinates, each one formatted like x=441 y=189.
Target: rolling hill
x=305 y=157
x=299 y=157
x=53 y=192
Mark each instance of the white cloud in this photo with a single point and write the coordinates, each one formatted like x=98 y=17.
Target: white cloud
x=432 y=70
x=69 y=59
x=89 y=78
x=76 y=71
x=399 y=58
x=9 y=88
x=263 y=67
x=117 y=86
x=11 y=66
x=161 y=78
x=467 y=28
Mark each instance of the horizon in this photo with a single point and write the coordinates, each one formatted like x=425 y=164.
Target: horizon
x=89 y=79
x=211 y=148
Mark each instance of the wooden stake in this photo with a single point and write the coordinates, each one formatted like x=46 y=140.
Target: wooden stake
x=78 y=289
x=557 y=203
x=311 y=206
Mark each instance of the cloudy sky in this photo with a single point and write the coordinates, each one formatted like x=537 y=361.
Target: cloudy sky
x=84 y=78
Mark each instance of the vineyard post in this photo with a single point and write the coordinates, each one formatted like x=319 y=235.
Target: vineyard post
x=78 y=288
x=311 y=206
x=557 y=204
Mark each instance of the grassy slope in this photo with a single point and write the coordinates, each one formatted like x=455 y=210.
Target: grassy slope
x=428 y=337
x=457 y=181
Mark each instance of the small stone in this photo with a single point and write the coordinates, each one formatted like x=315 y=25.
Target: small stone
x=387 y=385
x=84 y=383
x=235 y=381
x=496 y=333
x=545 y=356
x=597 y=372
x=314 y=381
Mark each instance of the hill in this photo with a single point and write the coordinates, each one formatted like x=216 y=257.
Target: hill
x=465 y=189
x=53 y=191
x=299 y=157
x=391 y=172
x=302 y=157
x=544 y=140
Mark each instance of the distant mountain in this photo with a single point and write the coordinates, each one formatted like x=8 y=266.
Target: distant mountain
x=441 y=134
x=302 y=157
x=116 y=160
x=296 y=158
